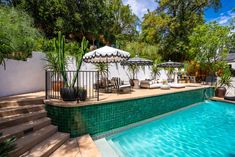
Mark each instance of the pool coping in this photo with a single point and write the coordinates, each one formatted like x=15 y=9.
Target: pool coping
x=61 y=103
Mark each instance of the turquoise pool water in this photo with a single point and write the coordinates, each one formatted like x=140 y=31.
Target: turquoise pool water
x=204 y=130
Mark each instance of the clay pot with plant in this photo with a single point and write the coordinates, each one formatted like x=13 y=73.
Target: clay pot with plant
x=224 y=81
x=133 y=69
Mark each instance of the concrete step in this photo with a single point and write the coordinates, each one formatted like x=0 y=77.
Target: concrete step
x=88 y=147
x=30 y=101
x=69 y=149
x=45 y=148
x=27 y=142
x=7 y=112
x=24 y=128
x=19 y=119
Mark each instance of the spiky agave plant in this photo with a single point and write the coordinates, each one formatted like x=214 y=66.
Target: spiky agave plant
x=79 y=56
x=59 y=45
x=6 y=146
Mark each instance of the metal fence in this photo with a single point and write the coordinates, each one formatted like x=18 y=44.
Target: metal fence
x=78 y=79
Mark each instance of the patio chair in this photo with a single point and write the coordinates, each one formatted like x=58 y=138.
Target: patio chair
x=119 y=85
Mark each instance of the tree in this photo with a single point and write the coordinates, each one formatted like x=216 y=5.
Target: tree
x=17 y=35
x=142 y=49
x=99 y=21
x=171 y=24
x=208 y=44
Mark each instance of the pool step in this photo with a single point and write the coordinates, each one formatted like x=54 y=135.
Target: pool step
x=105 y=148
x=82 y=146
x=24 y=128
x=88 y=147
x=27 y=142
x=7 y=112
x=69 y=149
x=22 y=118
x=48 y=146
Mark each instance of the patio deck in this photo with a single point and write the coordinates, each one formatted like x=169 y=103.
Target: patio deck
x=112 y=97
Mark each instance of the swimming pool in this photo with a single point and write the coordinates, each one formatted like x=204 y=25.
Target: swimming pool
x=206 y=129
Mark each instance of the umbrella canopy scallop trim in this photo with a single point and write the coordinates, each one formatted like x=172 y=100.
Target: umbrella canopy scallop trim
x=137 y=61
x=170 y=64
x=106 y=54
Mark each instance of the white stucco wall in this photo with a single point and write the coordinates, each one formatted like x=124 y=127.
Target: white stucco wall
x=23 y=76
x=29 y=76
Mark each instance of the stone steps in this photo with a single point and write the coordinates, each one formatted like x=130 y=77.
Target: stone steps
x=7 y=112
x=27 y=142
x=48 y=146
x=15 y=103
x=25 y=118
x=22 y=118
x=69 y=149
x=24 y=128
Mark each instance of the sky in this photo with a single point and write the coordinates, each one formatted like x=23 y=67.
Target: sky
x=222 y=16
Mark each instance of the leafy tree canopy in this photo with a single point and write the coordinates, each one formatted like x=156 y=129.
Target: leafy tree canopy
x=208 y=43
x=100 y=21
x=171 y=24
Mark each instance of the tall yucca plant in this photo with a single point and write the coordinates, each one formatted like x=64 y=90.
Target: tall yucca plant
x=60 y=51
x=79 y=56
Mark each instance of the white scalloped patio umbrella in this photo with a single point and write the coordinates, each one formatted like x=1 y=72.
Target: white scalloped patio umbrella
x=106 y=54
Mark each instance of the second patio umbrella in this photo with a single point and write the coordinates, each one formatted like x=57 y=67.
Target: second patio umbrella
x=171 y=64
x=136 y=61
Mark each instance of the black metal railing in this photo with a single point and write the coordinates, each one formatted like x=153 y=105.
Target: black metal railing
x=87 y=80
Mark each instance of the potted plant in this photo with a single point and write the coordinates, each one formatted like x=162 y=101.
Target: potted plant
x=102 y=68
x=155 y=70
x=70 y=92
x=82 y=94
x=224 y=81
x=133 y=68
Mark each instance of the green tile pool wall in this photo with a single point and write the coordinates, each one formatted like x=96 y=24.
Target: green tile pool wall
x=95 y=119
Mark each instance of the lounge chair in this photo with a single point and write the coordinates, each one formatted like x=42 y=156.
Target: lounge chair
x=119 y=85
x=149 y=84
x=176 y=85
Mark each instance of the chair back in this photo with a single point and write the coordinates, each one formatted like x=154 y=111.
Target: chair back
x=116 y=81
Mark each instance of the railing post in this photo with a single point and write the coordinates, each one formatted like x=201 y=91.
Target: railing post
x=97 y=82
x=46 y=84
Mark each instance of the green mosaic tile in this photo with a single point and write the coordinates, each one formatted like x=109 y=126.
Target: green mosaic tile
x=95 y=119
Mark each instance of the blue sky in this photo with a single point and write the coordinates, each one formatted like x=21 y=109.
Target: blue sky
x=222 y=16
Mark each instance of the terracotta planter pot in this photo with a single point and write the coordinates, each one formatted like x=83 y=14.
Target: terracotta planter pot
x=136 y=84
x=57 y=85
x=131 y=82
x=220 y=92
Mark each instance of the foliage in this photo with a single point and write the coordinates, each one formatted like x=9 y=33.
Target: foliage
x=57 y=59
x=17 y=35
x=101 y=21
x=102 y=68
x=143 y=50
x=6 y=146
x=155 y=69
x=133 y=68
x=171 y=24
x=78 y=55
x=225 y=78
x=170 y=72
x=208 y=44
